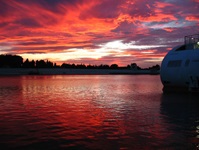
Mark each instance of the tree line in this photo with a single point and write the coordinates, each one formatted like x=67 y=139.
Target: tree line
x=15 y=61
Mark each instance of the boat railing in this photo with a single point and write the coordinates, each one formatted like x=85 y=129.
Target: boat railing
x=192 y=41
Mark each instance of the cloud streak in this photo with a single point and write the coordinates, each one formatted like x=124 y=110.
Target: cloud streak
x=121 y=31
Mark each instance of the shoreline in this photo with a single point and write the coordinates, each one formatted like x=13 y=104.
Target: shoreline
x=67 y=71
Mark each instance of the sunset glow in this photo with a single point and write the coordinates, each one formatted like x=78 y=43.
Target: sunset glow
x=96 y=32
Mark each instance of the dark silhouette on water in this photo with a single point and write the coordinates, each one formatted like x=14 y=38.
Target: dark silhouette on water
x=29 y=64
x=182 y=111
x=11 y=61
x=15 y=61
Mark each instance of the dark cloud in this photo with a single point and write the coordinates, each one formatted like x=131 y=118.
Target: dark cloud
x=4 y=9
x=36 y=42
x=50 y=5
x=28 y=22
x=143 y=8
x=43 y=48
x=3 y=24
x=104 y=9
x=57 y=2
x=126 y=28
x=42 y=26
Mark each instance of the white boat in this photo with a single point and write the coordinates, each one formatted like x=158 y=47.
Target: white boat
x=180 y=67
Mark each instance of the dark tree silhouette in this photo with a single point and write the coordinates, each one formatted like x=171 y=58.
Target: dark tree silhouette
x=55 y=65
x=49 y=64
x=114 y=66
x=32 y=64
x=66 y=65
x=26 y=64
x=103 y=66
x=43 y=64
x=128 y=67
x=91 y=66
x=134 y=66
x=14 y=61
x=81 y=66
x=156 y=67
x=40 y=64
x=11 y=61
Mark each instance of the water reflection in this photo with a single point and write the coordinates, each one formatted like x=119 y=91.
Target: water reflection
x=181 y=113
x=89 y=112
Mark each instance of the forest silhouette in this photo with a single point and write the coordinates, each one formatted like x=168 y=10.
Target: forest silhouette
x=15 y=61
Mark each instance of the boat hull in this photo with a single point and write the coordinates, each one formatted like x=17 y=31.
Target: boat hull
x=180 y=70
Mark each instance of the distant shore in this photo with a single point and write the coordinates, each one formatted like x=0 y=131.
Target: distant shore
x=67 y=71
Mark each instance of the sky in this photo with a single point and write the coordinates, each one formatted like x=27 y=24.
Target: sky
x=96 y=31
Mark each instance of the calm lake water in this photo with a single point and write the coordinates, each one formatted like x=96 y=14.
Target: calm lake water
x=95 y=112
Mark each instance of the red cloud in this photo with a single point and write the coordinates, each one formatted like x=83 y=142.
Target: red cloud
x=35 y=26
x=193 y=18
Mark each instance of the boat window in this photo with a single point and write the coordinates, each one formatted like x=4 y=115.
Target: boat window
x=174 y=63
x=187 y=63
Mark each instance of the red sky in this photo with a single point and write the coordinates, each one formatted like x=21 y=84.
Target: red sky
x=96 y=31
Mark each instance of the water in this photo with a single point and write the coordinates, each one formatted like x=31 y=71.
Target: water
x=95 y=112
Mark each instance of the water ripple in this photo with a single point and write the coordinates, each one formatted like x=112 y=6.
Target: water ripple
x=89 y=112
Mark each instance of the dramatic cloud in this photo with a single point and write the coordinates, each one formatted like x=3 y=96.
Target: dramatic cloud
x=96 y=32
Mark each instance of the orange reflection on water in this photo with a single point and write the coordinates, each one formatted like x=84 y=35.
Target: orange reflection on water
x=108 y=112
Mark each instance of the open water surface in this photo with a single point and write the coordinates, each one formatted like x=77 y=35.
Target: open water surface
x=95 y=112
